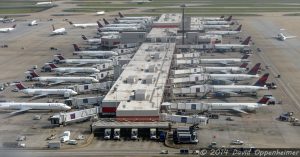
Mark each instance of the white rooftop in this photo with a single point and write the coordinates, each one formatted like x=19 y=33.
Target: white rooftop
x=162 y=32
x=170 y=18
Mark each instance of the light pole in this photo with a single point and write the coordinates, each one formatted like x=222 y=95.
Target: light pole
x=182 y=20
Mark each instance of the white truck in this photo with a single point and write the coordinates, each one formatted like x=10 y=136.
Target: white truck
x=65 y=137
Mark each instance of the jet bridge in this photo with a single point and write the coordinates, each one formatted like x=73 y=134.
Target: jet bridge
x=201 y=78
x=195 y=90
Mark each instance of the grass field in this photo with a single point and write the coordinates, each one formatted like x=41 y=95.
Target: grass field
x=90 y=9
x=20 y=7
x=21 y=10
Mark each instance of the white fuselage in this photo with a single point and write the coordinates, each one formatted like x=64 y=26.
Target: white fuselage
x=235 y=106
x=86 y=61
x=63 y=70
x=94 y=41
x=132 y=21
x=43 y=3
x=119 y=28
x=136 y=18
x=59 y=31
x=34 y=106
x=237 y=88
x=222 y=32
x=210 y=70
x=212 y=19
x=34 y=91
x=5 y=30
x=215 y=26
x=108 y=33
x=33 y=23
x=216 y=22
x=212 y=61
x=96 y=53
x=230 y=77
x=124 y=25
x=230 y=46
x=83 y=25
x=66 y=79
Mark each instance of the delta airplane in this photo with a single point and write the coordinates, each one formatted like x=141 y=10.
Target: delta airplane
x=225 y=22
x=225 y=61
x=237 y=89
x=83 y=25
x=213 y=18
x=226 y=47
x=205 y=26
x=107 y=29
x=106 y=33
x=33 y=23
x=81 y=62
x=24 y=106
x=43 y=3
x=131 y=21
x=100 y=13
x=59 y=31
x=72 y=70
x=101 y=54
x=91 y=41
x=282 y=37
x=227 y=78
x=238 y=30
x=44 y=92
x=107 y=24
x=6 y=30
x=60 y=80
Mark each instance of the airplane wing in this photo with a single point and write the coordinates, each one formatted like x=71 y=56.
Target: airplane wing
x=56 y=83
x=239 y=110
x=288 y=37
x=19 y=111
x=38 y=96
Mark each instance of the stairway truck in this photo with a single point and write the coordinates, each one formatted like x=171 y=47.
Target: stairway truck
x=153 y=134
x=117 y=134
x=107 y=134
x=134 y=134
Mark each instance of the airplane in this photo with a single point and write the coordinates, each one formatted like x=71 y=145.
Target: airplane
x=101 y=54
x=33 y=23
x=282 y=37
x=238 y=30
x=59 y=31
x=107 y=24
x=225 y=47
x=60 y=80
x=6 y=30
x=72 y=70
x=144 y=22
x=240 y=107
x=100 y=13
x=100 y=32
x=193 y=107
x=225 y=22
x=213 y=18
x=43 y=3
x=91 y=41
x=107 y=29
x=225 y=61
x=135 y=18
x=81 y=62
x=44 y=92
x=205 y=26
x=83 y=25
x=224 y=90
x=25 y=106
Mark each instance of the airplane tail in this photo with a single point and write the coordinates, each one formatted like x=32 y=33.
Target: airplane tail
x=99 y=24
x=255 y=69
x=84 y=37
x=229 y=18
x=263 y=100
x=52 y=65
x=76 y=47
x=239 y=28
x=14 y=26
x=244 y=65
x=99 y=30
x=20 y=86
x=121 y=15
x=262 y=81
x=246 y=41
x=105 y=21
x=53 y=28
x=60 y=57
x=246 y=56
x=71 y=23
x=33 y=74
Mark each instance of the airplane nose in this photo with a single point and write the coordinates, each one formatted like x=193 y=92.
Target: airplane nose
x=95 y=80
x=97 y=70
x=74 y=93
x=67 y=107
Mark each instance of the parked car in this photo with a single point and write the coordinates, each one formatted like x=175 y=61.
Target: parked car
x=237 y=142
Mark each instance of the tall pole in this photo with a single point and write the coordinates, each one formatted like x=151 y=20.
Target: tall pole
x=182 y=20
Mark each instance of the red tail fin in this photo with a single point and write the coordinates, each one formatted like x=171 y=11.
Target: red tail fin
x=229 y=18
x=52 y=65
x=262 y=81
x=14 y=26
x=246 y=56
x=83 y=37
x=76 y=48
x=33 y=74
x=239 y=28
x=20 y=86
x=244 y=65
x=121 y=15
x=99 y=24
x=255 y=69
x=60 y=57
x=53 y=28
x=264 y=100
x=246 y=41
x=105 y=21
